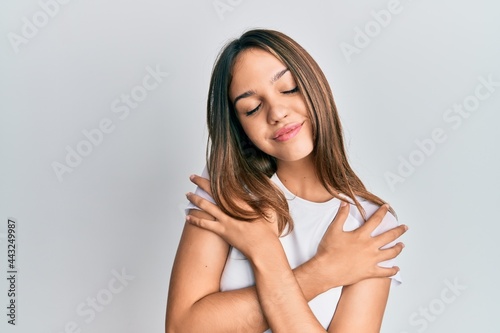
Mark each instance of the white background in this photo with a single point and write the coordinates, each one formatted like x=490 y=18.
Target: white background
x=120 y=208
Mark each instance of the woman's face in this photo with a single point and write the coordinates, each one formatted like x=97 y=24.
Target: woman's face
x=271 y=110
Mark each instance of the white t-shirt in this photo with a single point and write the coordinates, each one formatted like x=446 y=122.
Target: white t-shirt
x=311 y=219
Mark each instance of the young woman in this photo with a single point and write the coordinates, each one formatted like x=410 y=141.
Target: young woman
x=281 y=233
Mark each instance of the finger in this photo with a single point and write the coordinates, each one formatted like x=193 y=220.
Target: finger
x=205 y=205
x=390 y=235
x=391 y=253
x=202 y=183
x=375 y=219
x=340 y=217
x=210 y=225
x=385 y=271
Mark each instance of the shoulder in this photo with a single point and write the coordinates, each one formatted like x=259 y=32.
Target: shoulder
x=388 y=222
x=200 y=192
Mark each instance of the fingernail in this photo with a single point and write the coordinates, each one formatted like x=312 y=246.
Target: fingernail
x=188 y=194
x=188 y=218
x=343 y=204
x=191 y=177
x=403 y=245
x=406 y=227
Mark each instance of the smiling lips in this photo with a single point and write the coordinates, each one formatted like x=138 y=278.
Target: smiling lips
x=287 y=132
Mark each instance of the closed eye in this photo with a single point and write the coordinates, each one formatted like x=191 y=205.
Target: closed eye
x=288 y=92
x=294 y=90
x=249 y=113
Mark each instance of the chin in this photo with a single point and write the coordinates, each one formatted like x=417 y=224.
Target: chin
x=298 y=156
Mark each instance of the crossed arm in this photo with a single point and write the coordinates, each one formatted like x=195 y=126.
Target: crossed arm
x=280 y=297
x=195 y=303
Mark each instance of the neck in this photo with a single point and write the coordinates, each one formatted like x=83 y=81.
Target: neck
x=300 y=178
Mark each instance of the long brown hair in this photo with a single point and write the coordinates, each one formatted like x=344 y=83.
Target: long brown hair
x=240 y=171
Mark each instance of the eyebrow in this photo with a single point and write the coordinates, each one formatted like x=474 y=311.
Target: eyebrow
x=278 y=75
x=249 y=93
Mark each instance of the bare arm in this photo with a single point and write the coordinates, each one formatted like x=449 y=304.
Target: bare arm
x=361 y=307
x=280 y=296
x=195 y=303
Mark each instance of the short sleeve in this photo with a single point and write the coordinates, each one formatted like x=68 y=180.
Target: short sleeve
x=200 y=192
x=388 y=222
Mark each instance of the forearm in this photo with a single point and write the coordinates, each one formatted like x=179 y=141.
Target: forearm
x=228 y=311
x=280 y=295
x=361 y=307
x=240 y=310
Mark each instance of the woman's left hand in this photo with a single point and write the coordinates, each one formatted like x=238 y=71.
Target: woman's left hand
x=248 y=237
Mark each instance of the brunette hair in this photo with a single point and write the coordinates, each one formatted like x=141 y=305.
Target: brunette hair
x=238 y=170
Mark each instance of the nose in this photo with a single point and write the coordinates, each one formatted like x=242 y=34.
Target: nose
x=276 y=113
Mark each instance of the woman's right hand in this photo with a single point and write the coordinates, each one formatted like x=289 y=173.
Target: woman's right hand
x=251 y=238
x=346 y=257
